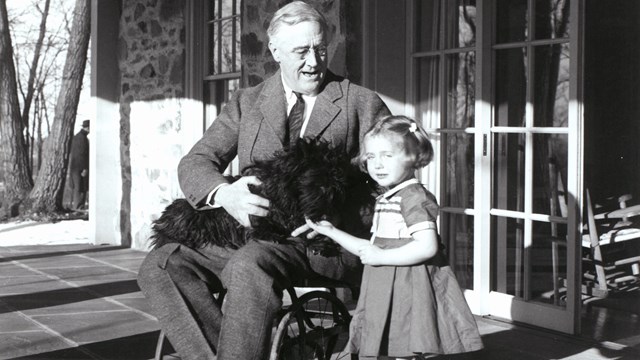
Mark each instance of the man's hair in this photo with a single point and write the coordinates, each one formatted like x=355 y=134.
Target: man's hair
x=295 y=13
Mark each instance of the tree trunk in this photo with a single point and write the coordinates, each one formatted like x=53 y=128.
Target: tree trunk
x=47 y=193
x=31 y=89
x=13 y=151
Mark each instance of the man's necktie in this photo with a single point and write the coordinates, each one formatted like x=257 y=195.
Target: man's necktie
x=295 y=119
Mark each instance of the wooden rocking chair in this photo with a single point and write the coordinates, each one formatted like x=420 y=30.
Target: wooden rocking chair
x=611 y=250
x=611 y=245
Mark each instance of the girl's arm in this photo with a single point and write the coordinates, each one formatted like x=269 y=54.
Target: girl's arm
x=423 y=247
x=351 y=243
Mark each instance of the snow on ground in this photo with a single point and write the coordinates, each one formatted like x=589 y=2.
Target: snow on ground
x=44 y=233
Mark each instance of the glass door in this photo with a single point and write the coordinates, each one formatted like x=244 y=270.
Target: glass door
x=443 y=65
x=531 y=147
x=497 y=89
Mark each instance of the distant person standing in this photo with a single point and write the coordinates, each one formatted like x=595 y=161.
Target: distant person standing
x=79 y=168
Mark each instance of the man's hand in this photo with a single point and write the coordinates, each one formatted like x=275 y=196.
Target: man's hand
x=84 y=172
x=239 y=202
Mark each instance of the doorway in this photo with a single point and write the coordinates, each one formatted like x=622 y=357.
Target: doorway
x=612 y=154
x=496 y=85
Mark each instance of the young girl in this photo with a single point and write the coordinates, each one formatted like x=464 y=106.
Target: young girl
x=411 y=305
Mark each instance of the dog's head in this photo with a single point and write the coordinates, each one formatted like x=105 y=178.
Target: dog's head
x=310 y=179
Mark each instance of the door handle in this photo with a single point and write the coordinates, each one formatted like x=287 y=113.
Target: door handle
x=484 y=145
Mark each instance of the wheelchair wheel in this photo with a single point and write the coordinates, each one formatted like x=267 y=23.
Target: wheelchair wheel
x=316 y=326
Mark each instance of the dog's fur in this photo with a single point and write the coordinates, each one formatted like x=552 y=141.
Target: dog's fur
x=309 y=179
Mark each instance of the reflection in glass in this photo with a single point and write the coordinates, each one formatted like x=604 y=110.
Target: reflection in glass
x=227 y=59
x=549 y=173
x=461 y=70
x=215 y=40
x=552 y=19
x=509 y=261
x=457 y=236
x=236 y=37
x=512 y=19
x=217 y=93
x=511 y=87
x=551 y=90
x=427 y=20
x=226 y=8
x=458 y=166
x=541 y=254
x=507 y=244
x=460 y=23
x=508 y=172
x=224 y=36
x=428 y=96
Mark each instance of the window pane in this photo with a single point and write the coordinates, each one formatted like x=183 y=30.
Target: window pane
x=460 y=23
x=232 y=86
x=507 y=244
x=214 y=39
x=213 y=8
x=549 y=174
x=457 y=235
x=551 y=90
x=511 y=87
x=237 y=37
x=428 y=24
x=461 y=69
x=552 y=19
x=428 y=96
x=227 y=62
x=226 y=8
x=512 y=21
x=547 y=273
x=458 y=166
x=217 y=93
x=508 y=172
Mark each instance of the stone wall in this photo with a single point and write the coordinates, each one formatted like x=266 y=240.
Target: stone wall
x=151 y=57
x=257 y=63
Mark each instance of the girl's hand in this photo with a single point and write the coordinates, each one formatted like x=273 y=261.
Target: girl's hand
x=371 y=255
x=321 y=227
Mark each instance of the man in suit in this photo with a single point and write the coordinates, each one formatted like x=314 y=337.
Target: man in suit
x=79 y=167
x=302 y=99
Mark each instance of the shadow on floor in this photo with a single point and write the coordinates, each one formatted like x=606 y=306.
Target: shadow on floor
x=39 y=255
x=45 y=299
x=140 y=346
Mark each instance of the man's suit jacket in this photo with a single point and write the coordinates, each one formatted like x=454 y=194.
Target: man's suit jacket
x=252 y=126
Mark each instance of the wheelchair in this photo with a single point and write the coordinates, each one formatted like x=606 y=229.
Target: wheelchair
x=314 y=324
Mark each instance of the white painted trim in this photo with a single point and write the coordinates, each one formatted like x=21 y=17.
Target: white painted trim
x=511 y=308
x=105 y=180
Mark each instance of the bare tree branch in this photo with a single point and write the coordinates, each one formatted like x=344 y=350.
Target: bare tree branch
x=34 y=63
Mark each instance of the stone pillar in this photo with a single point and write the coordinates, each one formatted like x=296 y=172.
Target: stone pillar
x=152 y=116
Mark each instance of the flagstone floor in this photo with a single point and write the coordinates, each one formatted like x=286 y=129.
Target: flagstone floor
x=81 y=301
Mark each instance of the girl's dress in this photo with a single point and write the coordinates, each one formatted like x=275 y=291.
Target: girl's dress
x=408 y=310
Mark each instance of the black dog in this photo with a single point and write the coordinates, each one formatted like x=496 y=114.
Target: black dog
x=309 y=179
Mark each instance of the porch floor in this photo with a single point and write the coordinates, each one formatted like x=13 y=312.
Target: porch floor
x=82 y=301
